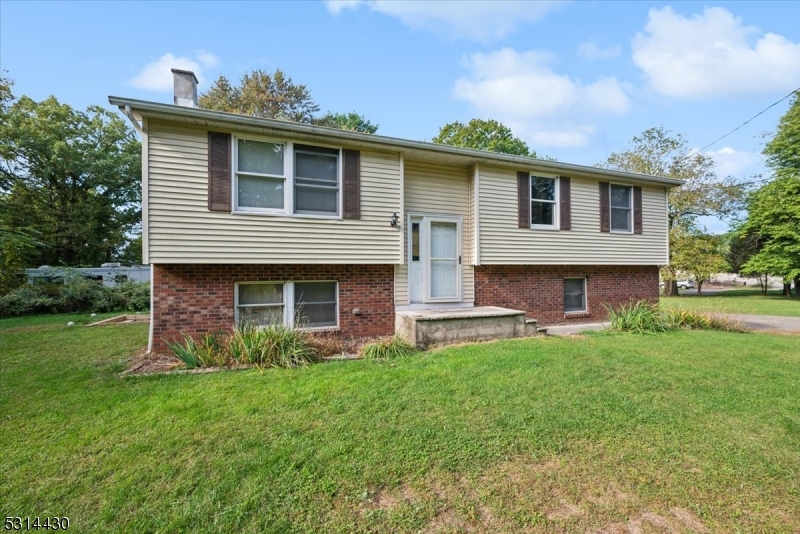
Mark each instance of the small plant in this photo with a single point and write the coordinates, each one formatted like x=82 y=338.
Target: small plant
x=387 y=348
x=208 y=352
x=641 y=317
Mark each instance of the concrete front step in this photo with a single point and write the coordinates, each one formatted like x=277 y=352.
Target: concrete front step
x=451 y=325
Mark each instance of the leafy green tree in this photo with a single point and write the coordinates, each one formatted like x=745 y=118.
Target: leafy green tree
x=70 y=178
x=262 y=94
x=774 y=210
x=483 y=135
x=697 y=255
x=658 y=152
x=740 y=248
x=346 y=121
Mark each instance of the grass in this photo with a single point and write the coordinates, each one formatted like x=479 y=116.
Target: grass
x=600 y=432
x=746 y=301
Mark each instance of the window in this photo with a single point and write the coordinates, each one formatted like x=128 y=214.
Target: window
x=260 y=175
x=415 y=241
x=620 y=196
x=543 y=202
x=314 y=304
x=286 y=178
x=574 y=295
x=316 y=180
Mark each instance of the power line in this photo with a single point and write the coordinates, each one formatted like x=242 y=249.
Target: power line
x=744 y=123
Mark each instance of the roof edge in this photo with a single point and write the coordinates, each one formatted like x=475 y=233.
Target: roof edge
x=390 y=142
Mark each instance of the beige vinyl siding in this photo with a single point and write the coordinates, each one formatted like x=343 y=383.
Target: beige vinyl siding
x=502 y=242
x=438 y=190
x=182 y=230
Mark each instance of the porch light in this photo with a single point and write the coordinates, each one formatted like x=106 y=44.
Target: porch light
x=394 y=220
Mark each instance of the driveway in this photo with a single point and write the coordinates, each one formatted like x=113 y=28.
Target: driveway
x=762 y=323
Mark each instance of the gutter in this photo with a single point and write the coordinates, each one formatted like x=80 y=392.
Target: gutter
x=385 y=142
x=126 y=110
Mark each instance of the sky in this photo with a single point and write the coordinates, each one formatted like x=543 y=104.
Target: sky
x=574 y=80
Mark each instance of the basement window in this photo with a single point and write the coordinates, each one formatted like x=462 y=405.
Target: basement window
x=314 y=304
x=574 y=295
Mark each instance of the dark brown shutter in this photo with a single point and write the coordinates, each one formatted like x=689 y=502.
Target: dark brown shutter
x=352 y=184
x=566 y=203
x=219 y=171
x=524 y=199
x=637 y=209
x=605 y=208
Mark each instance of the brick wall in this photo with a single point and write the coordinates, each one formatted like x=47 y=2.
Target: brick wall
x=199 y=298
x=539 y=289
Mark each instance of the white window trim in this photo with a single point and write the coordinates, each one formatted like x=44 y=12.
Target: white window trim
x=585 y=296
x=288 y=302
x=288 y=180
x=555 y=201
x=611 y=207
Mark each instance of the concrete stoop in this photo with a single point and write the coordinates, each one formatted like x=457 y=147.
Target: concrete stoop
x=452 y=325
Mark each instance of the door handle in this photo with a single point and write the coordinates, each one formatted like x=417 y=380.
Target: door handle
x=459 y=260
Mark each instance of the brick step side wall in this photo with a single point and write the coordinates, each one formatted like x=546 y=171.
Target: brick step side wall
x=539 y=289
x=196 y=299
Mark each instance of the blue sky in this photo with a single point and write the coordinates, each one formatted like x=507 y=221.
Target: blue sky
x=575 y=80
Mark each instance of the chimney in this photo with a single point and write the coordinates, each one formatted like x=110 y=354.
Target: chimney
x=185 y=88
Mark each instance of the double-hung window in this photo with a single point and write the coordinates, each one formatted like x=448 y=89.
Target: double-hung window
x=544 y=202
x=301 y=304
x=574 y=295
x=286 y=178
x=621 y=199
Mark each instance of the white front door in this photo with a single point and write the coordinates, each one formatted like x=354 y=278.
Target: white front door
x=434 y=259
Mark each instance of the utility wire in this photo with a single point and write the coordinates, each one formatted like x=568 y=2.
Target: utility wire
x=744 y=123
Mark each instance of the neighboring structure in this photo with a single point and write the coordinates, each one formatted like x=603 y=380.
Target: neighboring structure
x=110 y=274
x=253 y=218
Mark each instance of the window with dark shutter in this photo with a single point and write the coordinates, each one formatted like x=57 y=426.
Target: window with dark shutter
x=605 y=208
x=351 y=184
x=566 y=203
x=524 y=199
x=219 y=171
x=637 y=210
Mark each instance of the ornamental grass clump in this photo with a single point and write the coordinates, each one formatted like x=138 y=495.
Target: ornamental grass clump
x=270 y=346
x=208 y=351
x=387 y=348
x=640 y=317
x=681 y=318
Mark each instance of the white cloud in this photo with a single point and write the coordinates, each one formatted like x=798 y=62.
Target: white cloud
x=157 y=76
x=480 y=20
x=713 y=54
x=732 y=162
x=547 y=109
x=592 y=51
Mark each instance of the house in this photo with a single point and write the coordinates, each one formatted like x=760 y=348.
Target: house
x=248 y=218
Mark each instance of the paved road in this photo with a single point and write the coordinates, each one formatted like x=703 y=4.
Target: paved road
x=764 y=323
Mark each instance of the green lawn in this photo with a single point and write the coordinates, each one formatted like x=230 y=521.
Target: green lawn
x=664 y=433
x=748 y=301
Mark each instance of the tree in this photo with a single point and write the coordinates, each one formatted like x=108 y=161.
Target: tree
x=346 y=121
x=261 y=94
x=697 y=254
x=658 y=152
x=483 y=135
x=774 y=211
x=70 y=178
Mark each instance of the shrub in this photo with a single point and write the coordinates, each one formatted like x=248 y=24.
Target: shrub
x=387 y=348
x=639 y=317
x=699 y=321
x=75 y=294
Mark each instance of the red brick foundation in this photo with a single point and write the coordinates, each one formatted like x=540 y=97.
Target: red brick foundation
x=196 y=299
x=539 y=289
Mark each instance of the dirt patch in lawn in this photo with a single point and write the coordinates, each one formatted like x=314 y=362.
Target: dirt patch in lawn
x=142 y=363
